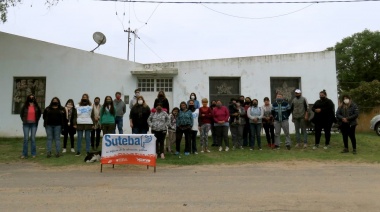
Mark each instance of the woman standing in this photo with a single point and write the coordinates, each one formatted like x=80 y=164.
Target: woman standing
x=84 y=123
x=30 y=115
x=107 y=116
x=95 y=132
x=184 y=124
x=255 y=115
x=54 y=121
x=158 y=122
x=172 y=129
x=221 y=115
x=205 y=120
x=237 y=123
x=347 y=115
x=138 y=117
x=70 y=127
x=194 y=128
x=268 y=122
x=161 y=98
x=193 y=97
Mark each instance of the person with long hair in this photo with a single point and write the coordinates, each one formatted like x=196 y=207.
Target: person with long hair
x=184 y=124
x=95 y=132
x=194 y=129
x=161 y=98
x=268 y=123
x=347 y=115
x=30 y=115
x=107 y=116
x=324 y=117
x=221 y=115
x=54 y=121
x=205 y=120
x=138 y=117
x=120 y=111
x=70 y=127
x=158 y=121
x=172 y=129
x=84 y=123
x=237 y=123
x=255 y=115
x=193 y=97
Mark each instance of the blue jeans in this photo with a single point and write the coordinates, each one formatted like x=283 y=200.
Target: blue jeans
x=53 y=133
x=119 y=124
x=87 y=134
x=255 y=133
x=136 y=130
x=29 y=128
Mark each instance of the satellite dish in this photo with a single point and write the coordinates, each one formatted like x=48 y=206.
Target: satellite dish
x=99 y=38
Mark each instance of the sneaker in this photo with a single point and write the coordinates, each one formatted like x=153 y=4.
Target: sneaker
x=72 y=150
x=187 y=153
x=251 y=149
x=208 y=150
x=326 y=147
x=22 y=157
x=354 y=152
x=297 y=145
x=241 y=147
x=162 y=156
x=305 y=146
x=344 y=151
x=64 y=150
x=78 y=154
x=93 y=159
x=33 y=156
x=227 y=149
x=220 y=148
x=260 y=148
x=195 y=153
x=288 y=147
x=315 y=147
x=202 y=151
x=48 y=155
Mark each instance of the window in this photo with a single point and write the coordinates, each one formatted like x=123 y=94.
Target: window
x=151 y=85
x=23 y=87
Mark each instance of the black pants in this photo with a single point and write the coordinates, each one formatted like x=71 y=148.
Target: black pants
x=348 y=131
x=97 y=138
x=66 y=134
x=247 y=135
x=179 y=132
x=318 y=132
x=160 y=136
x=269 y=132
x=193 y=140
x=222 y=134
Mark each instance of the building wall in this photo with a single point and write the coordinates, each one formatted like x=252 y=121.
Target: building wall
x=71 y=72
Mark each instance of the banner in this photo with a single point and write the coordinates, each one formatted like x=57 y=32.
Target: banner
x=139 y=149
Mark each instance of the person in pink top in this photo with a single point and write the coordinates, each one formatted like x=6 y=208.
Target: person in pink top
x=30 y=115
x=221 y=115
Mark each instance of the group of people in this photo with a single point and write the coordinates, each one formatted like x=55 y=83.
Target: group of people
x=243 y=117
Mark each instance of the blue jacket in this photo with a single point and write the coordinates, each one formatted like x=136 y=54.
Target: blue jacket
x=281 y=111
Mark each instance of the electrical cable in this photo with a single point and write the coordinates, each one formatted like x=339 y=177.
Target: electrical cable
x=245 y=2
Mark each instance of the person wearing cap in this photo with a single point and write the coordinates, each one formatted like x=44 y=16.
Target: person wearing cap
x=324 y=117
x=299 y=117
x=347 y=115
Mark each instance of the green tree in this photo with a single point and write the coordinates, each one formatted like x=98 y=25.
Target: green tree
x=6 y=4
x=366 y=95
x=357 y=59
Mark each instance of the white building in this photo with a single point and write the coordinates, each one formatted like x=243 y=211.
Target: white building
x=50 y=70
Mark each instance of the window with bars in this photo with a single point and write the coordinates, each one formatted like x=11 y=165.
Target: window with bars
x=151 y=85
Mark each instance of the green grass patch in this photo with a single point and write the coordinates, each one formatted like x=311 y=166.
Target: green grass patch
x=368 y=145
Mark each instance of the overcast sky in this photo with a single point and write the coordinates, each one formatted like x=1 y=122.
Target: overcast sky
x=179 y=32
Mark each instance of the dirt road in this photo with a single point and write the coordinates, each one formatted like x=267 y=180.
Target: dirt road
x=290 y=186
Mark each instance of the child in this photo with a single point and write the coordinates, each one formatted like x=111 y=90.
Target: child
x=171 y=130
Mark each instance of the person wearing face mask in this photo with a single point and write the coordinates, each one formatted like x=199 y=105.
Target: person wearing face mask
x=194 y=129
x=300 y=116
x=193 y=97
x=134 y=99
x=70 y=125
x=324 y=116
x=268 y=123
x=172 y=129
x=237 y=122
x=247 y=136
x=138 y=117
x=281 y=111
x=221 y=115
x=54 y=120
x=184 y=124
x=347 y=115
x=120 y=111
x=158 y=121
x=213 y=135
x=255 y=115
x=161 y=99
x=107 y=116
x=95 y=132
x=30 y=114
x=85 y=120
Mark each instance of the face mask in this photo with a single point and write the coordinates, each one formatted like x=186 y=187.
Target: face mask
x=254 y=104
x=84 y=101
x=69 y=106
x=346 y=101
x=96 y=103
x=219 y=105
x=109 y=102
x=298 y=97
x=213 y=105
x=322 y=98
x=191 y=107
x=118 y=97
x=247 y=103
x=140 y=102
x=54 y=103
x=192 y=97
x=31 y=100
x=279 y=99
x=160 y=95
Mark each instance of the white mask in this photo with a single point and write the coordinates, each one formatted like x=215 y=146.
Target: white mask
x=192 y=97
x=346 y=101
x=140 y=102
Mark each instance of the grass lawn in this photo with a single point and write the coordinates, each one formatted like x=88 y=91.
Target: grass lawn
x=368 y=145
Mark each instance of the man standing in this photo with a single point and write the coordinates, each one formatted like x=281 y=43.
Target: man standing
x=300 y=116
x=134 y=99
x=281 y=111
x=120 y=110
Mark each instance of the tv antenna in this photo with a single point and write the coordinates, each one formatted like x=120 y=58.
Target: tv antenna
x=99 y=38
